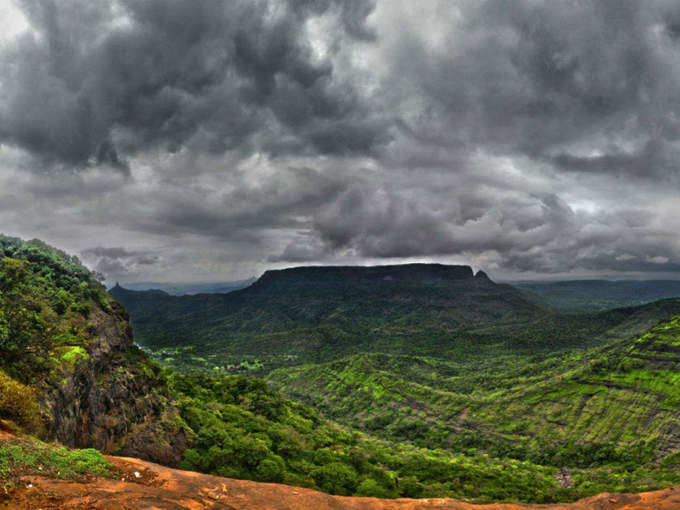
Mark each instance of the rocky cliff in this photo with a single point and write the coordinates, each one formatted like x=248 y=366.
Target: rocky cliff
x=69 y=368
x=113 y=399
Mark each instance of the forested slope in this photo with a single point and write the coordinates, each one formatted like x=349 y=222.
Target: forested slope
x=615 y=406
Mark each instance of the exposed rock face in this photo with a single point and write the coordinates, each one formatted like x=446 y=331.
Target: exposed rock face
x=114 y=400
x=158 y=487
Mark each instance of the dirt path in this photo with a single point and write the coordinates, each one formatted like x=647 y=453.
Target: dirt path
x=150 y=486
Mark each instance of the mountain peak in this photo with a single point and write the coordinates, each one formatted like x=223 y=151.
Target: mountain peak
x=482 y=274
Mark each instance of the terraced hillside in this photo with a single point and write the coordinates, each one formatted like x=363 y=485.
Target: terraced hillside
x=612 y=405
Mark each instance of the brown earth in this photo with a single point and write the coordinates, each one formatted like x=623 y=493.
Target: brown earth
x=144 y=485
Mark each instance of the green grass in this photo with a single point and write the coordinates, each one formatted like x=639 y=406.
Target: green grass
x=20 y=457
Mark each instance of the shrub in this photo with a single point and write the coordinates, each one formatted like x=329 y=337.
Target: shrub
x=17 y=401
x=49 y=460
x=337 y=478
x=371 y=488
x=271 y=469
x=410 y=487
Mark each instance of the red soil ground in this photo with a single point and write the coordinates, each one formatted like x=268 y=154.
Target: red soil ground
x=144 y=485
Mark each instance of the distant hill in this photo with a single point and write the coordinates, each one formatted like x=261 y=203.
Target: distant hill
x=182 y=289
x=316 y=313
x=579 y=296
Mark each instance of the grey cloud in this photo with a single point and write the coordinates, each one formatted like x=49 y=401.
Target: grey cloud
x=656 y=159
x=530 y=233
x=532 y=136
x=118 y=261
x=102 y=81
x=243 y=214
x=536 y=78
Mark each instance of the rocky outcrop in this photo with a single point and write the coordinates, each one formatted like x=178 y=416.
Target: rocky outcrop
x=113 y=399
x=144 y=485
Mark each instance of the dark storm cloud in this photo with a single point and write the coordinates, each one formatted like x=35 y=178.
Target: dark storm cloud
x=242 y=215
x=99 y=81
x=547 y=78
x=539 y=233
x=656 y=159
x=526 y=136
x=581 y=87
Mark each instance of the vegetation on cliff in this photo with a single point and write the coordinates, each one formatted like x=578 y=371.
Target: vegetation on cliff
x=69 y=370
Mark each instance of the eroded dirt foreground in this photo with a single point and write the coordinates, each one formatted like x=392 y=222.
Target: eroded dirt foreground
x=144 y=485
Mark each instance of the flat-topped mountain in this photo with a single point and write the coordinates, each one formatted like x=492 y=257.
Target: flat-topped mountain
x=325 y=311
x=402 y=272
x=322 y=313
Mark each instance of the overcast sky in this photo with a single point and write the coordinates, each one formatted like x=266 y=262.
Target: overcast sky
x=190 y=140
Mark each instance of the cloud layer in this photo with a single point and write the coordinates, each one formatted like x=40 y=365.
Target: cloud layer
x=198 y=140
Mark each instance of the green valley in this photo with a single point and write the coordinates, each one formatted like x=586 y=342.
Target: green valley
x=416 y=380
x=70 y=374
x=449 y=362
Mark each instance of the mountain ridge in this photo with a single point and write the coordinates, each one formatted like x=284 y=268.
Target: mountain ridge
x=324 y=310
x=422 y=272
